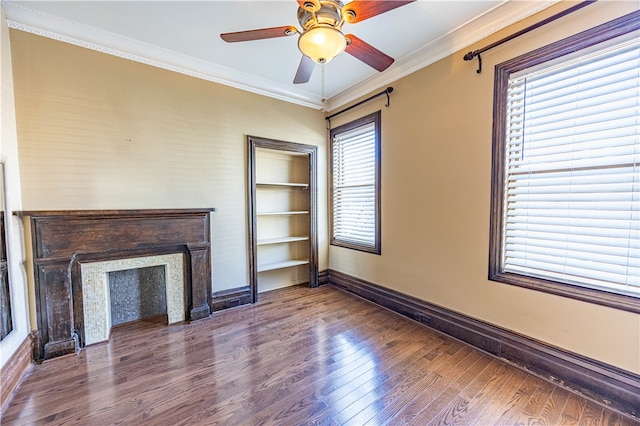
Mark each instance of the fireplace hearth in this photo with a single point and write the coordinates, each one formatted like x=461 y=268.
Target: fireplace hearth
x=68 y=246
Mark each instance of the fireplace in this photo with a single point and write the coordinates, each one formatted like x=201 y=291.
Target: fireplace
x=73 y=252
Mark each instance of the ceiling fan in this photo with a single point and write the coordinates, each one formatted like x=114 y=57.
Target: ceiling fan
x=321 y=38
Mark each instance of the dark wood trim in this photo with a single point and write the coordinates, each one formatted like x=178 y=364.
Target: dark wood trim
x=14 y=370
x=6 y=317
x=94 y=213
x=311 y=152
x=606 y=384
x=591 y=37
x=323 y=277
x=198 y=283
x=252 y=219
x=231 y=298
x=375 y=118
x=62 y=240
x=54 y=308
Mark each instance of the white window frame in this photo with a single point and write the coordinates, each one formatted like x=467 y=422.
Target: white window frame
x=548 y=55
x=340 y=235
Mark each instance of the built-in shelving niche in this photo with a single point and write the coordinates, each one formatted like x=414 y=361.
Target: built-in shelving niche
x=282 y=214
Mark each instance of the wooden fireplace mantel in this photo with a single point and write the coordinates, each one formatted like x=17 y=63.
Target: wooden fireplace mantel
x=63 y=240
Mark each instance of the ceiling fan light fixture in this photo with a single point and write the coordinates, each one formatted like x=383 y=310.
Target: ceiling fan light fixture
x=322 y=44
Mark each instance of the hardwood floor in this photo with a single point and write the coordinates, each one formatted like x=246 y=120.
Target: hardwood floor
x=299 y=356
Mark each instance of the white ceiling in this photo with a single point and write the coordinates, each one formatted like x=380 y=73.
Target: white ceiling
x=183 y=36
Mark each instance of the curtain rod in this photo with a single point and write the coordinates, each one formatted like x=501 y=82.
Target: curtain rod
x=476 y=53
x=384 y=92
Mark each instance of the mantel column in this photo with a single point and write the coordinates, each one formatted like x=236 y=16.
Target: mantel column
x=200 y=269
x=55 y=308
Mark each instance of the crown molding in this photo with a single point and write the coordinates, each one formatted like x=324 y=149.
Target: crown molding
x=36 y=22
x=473 y=31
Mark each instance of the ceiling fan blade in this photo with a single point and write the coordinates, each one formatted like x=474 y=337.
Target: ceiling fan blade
x=259 y=34
x=365 y=9
x=305 y=69
x=367 y=53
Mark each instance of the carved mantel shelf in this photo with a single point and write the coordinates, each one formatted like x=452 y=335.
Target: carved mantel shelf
x=62 y=240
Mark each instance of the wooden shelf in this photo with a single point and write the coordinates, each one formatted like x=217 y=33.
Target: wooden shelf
x=282 y=240
x=280 y=265
x=282 y=213
x=283 y=185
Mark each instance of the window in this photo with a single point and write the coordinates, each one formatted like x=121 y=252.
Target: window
x=355 y=167
x=566 y=168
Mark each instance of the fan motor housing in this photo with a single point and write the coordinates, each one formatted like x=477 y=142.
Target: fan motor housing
x=329 y=14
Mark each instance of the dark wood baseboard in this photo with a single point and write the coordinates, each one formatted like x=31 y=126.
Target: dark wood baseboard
x=230 y=298
x=239 y=296
x=323 y=277
x=616 y=388
x=15 y=370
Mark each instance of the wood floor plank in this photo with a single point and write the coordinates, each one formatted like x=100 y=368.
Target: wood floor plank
x=484 y=411
x=591 y=414
x=366 y=405
x=537 y=401
x=552 y=410
x=457 y=408
x=449 y=404
x=610 y=418
x=448 y=401
x=572 y=410
x=515 y=405
x=449 y=368
x=400 y=380
x=299 y=356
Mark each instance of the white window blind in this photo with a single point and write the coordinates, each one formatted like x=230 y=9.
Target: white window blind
x=354 y=186
x=572 y=184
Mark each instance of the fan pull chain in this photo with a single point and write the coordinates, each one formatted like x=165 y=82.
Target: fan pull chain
x=323 y=99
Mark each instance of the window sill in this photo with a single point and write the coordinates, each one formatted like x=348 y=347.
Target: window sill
x=599 y=297
x=352 y=246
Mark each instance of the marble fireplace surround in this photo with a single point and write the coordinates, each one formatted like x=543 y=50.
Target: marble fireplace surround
x=68 y=244
x=95 y=291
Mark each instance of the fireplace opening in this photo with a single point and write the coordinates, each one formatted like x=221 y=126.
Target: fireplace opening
x=137 y=294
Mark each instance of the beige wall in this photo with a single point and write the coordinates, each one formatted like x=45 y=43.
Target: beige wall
x=99 y=132
x=436 y=183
